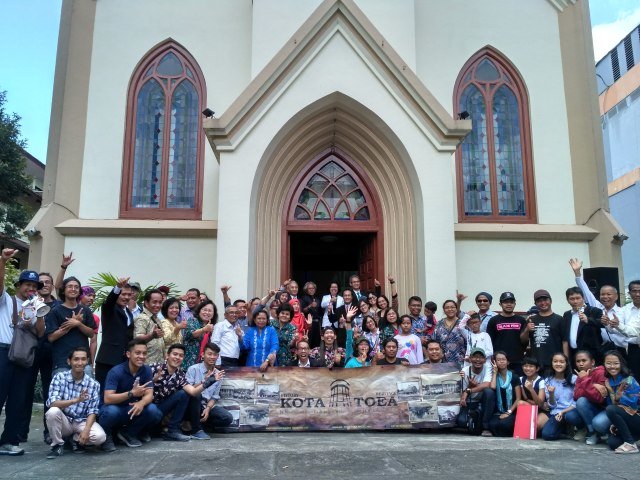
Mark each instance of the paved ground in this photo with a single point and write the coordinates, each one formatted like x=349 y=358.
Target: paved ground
x=329 y=455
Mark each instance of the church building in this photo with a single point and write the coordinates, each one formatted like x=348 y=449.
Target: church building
x=452 y=144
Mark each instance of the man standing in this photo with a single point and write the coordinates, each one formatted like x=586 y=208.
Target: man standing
x=629 y=325
x=15 y=379
x=204 y=382
x=117 y=329
x=192 y=300
x=147 y=327
x=507 y=332
x=354 y=283
x=583 y=325
x=483 y=302
x=73 y=406
x=133 y=306
x=168 y=391
x=128 y=399
x=546 y=331
x=225 y=335
x=418 y=321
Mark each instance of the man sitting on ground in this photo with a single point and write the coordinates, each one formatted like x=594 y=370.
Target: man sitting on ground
x=389 y=354
x=73 y=402
x=168 y=392
x=128 y=399
x=204 y=382
x=476 y=387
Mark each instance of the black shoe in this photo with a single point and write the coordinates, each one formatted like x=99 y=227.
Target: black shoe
x=144 y=437
x=108 y=445
x=77 y=448
x=56 y=451
x=129 y=440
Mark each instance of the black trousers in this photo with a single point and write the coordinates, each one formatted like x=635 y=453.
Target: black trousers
x=42 y=364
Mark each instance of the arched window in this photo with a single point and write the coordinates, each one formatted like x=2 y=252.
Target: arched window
x=494 y=162
x=334 y=194
x=163 y=155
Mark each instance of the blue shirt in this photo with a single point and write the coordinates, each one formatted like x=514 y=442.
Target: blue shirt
x=121 y=379
x=260 y=345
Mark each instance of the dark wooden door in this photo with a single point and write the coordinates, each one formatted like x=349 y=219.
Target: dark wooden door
x=367 y=262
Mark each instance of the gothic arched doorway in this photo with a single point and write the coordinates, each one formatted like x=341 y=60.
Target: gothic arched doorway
x=332 y=224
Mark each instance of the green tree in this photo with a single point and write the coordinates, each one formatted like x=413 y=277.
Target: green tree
x=13 y=180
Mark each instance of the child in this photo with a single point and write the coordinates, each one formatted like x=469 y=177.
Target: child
x=532 y=385
x=559 y=393
x=589 y=394
x=508 y=396
x=622 y=409
x=477 y=339
x=409 y=345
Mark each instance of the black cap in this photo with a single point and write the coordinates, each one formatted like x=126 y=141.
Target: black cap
x=507 y=296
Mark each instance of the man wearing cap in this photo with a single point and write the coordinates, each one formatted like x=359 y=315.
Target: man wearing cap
x=14 y=379
x=476 y=386
x=134 y=307
x=546 y=330
x=507 y=332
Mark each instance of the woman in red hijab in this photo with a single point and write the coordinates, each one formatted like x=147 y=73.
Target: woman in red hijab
x=302 y=324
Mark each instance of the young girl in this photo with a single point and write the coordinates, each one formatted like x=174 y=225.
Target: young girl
x=589 y=394
x=477 y=339
x=559 y=392
x=409 y=345
x=508 y=395
x=622 y=399
x=532 y=385
x=361 y=359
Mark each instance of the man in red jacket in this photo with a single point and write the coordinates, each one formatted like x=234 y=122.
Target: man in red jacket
x=589 y=394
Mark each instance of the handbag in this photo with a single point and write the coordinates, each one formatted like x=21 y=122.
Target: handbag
x=23 y=347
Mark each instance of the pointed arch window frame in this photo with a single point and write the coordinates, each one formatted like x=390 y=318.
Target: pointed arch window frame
x=363 y=183
x=518 y=88
x=138 y=79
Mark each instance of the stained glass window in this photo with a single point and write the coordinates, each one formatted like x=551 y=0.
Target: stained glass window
x=167 y=135
x=494 y=163
x=331 y=193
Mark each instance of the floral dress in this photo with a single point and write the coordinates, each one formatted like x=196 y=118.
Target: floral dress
x=389 y=331
x=285 y=336
x=191 y=343
x=453 y=341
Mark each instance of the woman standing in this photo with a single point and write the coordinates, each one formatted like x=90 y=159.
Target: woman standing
x=204 y=318
x=171 y=325
x=391 y=327
x=287 y=335
x=310 y=303
x=372 y=334
x=451 y=334
x=508 y=395
x=261 y=342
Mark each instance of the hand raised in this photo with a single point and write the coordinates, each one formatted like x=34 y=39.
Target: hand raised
x=122 y=282
x=8 y=253
x=376 y=283
x=576 y=266
x=551 y=388
x=614 y=322
x=67 y=260
x=225 y=288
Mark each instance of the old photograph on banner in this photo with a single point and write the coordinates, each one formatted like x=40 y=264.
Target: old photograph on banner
x=372 y=398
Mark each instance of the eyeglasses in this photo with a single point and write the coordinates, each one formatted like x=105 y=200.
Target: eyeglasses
x=482 y=301
x=232 y=313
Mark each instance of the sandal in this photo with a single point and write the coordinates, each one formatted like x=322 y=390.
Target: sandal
x=626 y=448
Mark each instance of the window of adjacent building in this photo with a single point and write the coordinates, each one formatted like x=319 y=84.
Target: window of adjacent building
x=162 y=174
x=494 y=164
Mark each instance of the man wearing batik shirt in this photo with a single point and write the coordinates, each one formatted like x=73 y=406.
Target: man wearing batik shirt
x=192 y=300
x=168 y=393
x=73 y=403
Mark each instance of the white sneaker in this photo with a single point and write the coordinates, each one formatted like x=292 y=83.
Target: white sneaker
x=8 y=449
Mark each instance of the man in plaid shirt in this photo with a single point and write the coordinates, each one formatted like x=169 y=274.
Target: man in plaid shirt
x=73 y=406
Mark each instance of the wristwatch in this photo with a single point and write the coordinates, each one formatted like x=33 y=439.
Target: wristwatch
x=129 y=394
x=509 y=412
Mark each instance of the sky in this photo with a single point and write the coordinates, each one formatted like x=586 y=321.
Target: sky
x=29 y=36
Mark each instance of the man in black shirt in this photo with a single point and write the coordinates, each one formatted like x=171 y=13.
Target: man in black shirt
x=507 y=332
x=546 y=331
x=389 y=355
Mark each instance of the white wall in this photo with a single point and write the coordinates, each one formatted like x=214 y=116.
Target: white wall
x=187 y=262
x=217 y=33
x=519 y=266
x=450 y=32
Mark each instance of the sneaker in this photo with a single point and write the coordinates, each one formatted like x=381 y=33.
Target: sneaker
x=8 y=449
x=76 y=447
x=486 y=433
x=144 y=437
x=200 y=435
x=128 y=440
x=626 y=448
x=593 y=439
x=580 y=435
x=176 y=436
x=56 y=451
x=108 y=445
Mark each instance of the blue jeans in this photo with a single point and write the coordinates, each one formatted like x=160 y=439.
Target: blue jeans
x=117 y=416
x=14 y=392
x=177 y=403
x=593 y=416
x=552 y=429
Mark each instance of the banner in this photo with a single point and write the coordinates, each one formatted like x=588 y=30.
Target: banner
x=370 y=398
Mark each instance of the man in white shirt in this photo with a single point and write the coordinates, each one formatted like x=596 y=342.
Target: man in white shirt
x=629 y=325
x=225 y=335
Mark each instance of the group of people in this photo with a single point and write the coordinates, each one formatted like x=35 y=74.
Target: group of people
x=160 y=365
